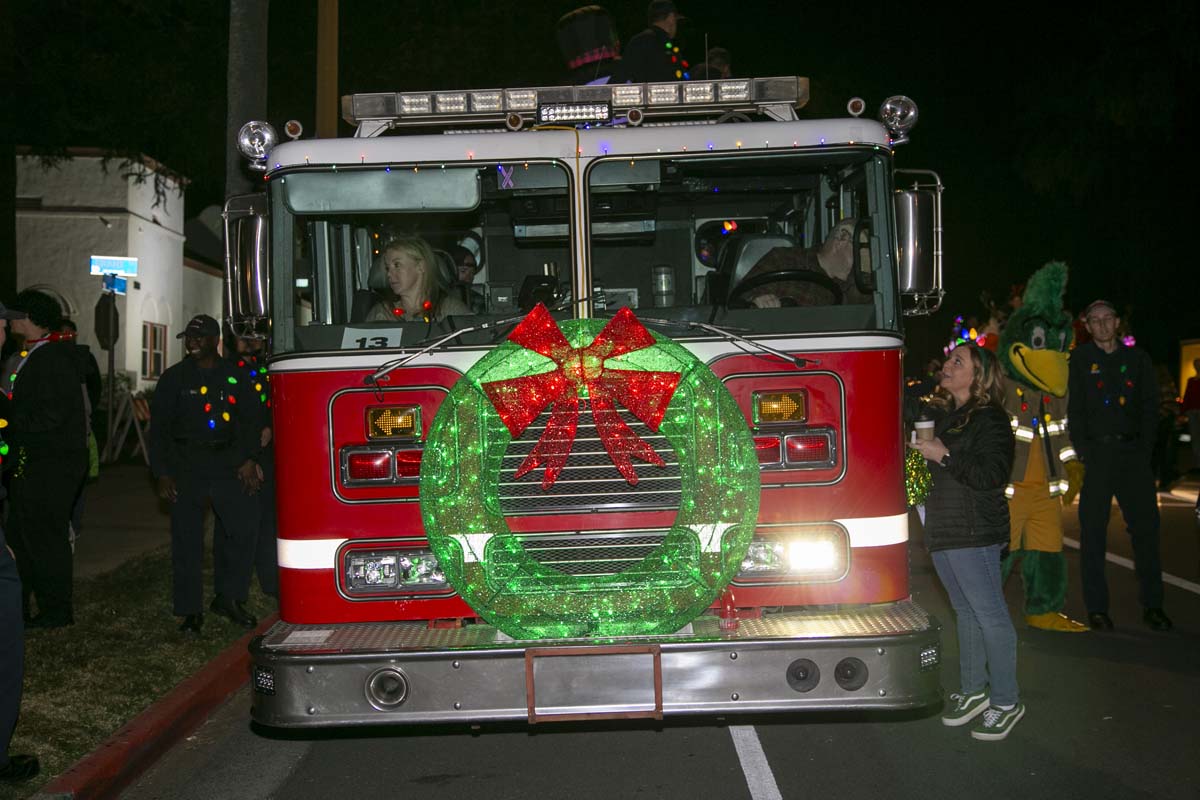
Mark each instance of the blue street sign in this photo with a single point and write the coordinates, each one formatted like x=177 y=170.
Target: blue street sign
x=114 y=265
x=115 y=284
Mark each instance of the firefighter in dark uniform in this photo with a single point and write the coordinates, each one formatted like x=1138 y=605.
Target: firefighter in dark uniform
x=251 y=364
x=1112 y=417
x=48 y=458
x=204 y=438
x=14 y=767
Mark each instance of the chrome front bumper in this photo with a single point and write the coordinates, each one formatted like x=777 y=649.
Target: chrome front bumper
x=391 y=673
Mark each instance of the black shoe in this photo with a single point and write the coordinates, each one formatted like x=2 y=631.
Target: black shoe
x=51 y=621
x=20 y=768
x=234 y=611
x=1100 y=621
x=192 y=623
x=1157 y=620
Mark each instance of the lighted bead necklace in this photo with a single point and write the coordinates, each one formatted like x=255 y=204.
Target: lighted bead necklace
x=1125 y=384
x=219 y=411
x=426 y=311
x=677 y=61
x=258 y=373
x=1025 y=407
x=30 y=346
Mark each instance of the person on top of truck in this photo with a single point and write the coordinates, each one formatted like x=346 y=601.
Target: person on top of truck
x=650 y=55
x=405 y=284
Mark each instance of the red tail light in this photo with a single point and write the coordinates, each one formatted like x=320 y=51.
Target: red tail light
x=375 y=466
x=806 y=448
x=408 y=463
x=767 y=448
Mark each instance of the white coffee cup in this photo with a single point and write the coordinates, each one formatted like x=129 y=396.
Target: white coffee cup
x=924 y=429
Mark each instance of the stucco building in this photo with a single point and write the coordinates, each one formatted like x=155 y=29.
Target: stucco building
x=69 y=210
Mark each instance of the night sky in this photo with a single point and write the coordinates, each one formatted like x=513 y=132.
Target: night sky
x=1059 y=132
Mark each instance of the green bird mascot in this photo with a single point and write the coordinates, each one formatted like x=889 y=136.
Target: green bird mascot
x=1034 y=347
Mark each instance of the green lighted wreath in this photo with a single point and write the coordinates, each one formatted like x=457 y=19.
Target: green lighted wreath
x=613 y=366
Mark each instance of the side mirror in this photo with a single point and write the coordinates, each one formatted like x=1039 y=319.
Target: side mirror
x=919 y=242
x=247 y=263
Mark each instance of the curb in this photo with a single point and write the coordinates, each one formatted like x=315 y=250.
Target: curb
x=134 y=748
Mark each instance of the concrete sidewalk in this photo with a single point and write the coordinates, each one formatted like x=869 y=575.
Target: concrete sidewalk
x=122 y=519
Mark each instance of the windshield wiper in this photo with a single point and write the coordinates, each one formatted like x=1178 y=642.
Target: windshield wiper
x=730 y=336
x=387 y=367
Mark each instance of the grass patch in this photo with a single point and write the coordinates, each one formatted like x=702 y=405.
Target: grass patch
x=124 y=652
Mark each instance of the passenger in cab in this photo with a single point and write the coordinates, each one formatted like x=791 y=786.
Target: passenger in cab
x=465 y=267
x=405 y=284
x=831 y=266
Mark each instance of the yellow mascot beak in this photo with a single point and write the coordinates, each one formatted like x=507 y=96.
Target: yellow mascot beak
x=1045 y=369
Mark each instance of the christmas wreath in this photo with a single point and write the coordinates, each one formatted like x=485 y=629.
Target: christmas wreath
x=608 y=370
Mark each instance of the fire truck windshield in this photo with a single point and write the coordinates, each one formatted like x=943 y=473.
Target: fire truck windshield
x=798 y=241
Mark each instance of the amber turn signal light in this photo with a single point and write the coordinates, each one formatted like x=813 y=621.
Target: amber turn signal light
x=393 y=422
x=770 y=407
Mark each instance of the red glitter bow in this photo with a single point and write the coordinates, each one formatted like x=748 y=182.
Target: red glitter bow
x=646 y=395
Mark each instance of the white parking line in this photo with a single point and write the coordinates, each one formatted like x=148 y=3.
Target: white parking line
x=1174 y=580
x=759 y=778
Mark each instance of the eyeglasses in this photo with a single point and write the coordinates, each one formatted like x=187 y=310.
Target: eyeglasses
x=1104 y=320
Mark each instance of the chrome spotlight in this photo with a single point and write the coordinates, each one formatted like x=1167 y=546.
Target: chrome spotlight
x=898 y=114
x=255 y=140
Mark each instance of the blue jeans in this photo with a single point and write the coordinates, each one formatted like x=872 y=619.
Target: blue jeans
x=987 y=642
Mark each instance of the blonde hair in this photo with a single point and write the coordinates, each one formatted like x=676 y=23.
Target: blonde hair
x=419 y=249
x=987 y=381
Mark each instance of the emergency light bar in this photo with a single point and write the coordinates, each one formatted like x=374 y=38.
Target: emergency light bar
x=623 y=103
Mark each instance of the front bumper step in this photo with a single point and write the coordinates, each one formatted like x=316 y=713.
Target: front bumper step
x=874 y=657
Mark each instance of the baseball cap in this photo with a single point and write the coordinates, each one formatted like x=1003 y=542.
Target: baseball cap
x=1097 y=305
x=661 y=9
x=200 y=326
x=7 y=313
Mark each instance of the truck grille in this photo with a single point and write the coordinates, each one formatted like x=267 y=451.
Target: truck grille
x=588 y=554
x=584 y=555
x=589 y=481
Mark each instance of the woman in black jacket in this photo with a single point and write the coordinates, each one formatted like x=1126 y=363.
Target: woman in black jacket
x=966 y=527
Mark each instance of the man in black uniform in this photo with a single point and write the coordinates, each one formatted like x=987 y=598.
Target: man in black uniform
x=652 y=55
x=1113 y=412
x=251 y=364
x=47 y=437
x=14 y=767
x=204 y=437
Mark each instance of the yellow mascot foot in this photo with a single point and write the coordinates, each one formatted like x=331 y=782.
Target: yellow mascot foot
x=1055 y=621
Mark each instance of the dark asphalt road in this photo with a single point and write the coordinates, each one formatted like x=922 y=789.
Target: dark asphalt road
x=1109 y=716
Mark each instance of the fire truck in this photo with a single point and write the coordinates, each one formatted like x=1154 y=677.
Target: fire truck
x=636 y=477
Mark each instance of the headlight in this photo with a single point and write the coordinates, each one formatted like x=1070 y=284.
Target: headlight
x=898 y=114
x=255 y=139
x=390 y=571
x=808 y=553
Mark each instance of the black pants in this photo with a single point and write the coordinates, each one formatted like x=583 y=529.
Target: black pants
x=266 y=553
x=1123 y=471
x=238 y=514
x=12 y=648
x=41 y=496
x=265 y=558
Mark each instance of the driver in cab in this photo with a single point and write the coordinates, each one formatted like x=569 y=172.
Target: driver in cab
x=831 y=264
